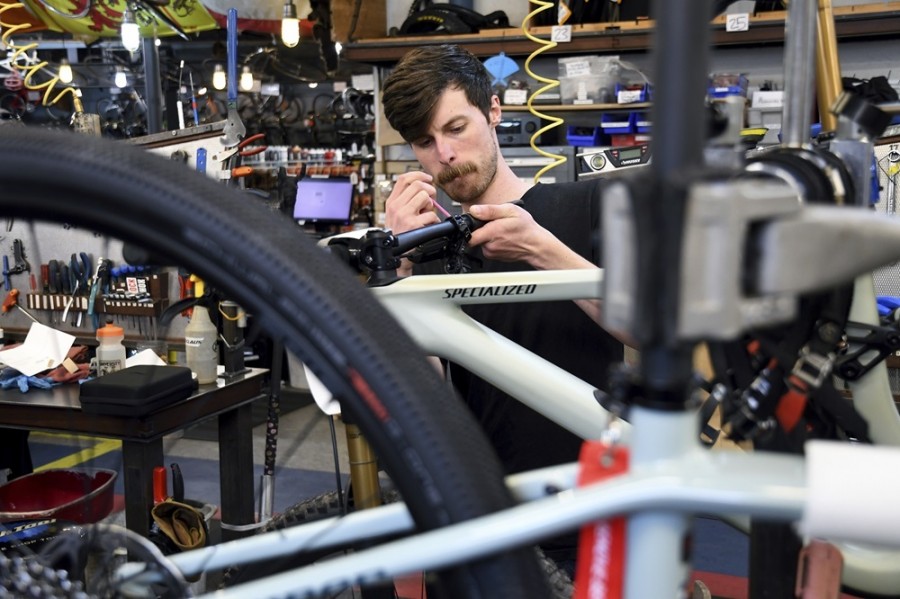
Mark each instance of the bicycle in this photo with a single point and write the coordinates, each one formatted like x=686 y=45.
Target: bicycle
x=688 y=480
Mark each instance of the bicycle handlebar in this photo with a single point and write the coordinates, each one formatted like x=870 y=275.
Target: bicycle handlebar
x=379 y=251
x=452 y=227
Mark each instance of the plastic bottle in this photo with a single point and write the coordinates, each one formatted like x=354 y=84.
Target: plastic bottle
x=110 y=351
x=201 y=346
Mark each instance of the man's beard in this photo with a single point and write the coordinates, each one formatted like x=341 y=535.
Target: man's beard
x=484 y=174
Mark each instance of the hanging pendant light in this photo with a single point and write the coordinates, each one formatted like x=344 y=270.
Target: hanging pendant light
x=246 y=82
x=219 y=80
x=131 y=33
x=65 y=71
x=290 y=25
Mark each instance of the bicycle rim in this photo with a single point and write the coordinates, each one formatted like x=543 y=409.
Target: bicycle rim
x=431 y=447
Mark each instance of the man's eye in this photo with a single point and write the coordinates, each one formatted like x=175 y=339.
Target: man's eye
x=423 y=143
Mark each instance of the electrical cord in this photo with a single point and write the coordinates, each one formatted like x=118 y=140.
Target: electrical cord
x=549 y=84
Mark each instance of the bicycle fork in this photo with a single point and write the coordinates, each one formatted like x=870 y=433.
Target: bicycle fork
x=363 y=469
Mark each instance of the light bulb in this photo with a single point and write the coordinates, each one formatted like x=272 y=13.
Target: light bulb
x=131 y=33
x=246 y=81
x=219 y=81
x=65 y=71
x=121 y=80
x=290 y=25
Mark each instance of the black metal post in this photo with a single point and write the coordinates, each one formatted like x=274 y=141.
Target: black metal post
x=152 y=84
x=680 y=76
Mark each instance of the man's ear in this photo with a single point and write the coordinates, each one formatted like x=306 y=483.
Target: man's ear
x=494 y=113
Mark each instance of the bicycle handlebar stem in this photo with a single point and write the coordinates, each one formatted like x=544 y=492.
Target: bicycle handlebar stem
x=378 y=252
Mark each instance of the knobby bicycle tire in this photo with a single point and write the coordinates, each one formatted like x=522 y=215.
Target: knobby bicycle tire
x=434 y=451
x=329 y=505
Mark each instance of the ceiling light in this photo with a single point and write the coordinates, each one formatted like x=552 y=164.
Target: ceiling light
x=246 y=81
x=121 y=80
x=131 y=33
x=290 y=25
x=219 y=80
x=65 y=71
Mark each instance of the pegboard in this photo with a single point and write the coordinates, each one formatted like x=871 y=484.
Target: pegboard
x=44 y=242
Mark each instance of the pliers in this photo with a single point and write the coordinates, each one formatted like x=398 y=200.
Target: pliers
x=79 y=275
x=231 y=157
x=99 y=284
x=240 y=148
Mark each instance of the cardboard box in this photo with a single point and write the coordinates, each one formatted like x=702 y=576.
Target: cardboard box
x=371 y=22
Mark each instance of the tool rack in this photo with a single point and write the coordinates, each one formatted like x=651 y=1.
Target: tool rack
x=139 y=295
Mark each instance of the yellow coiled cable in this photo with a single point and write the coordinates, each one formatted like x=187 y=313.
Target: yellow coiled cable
x=544 y=46
x=30 y=70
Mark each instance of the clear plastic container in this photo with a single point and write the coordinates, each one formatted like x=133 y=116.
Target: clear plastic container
x=110 y=351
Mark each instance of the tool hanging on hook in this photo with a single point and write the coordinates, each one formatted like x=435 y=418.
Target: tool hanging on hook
x=893 y=159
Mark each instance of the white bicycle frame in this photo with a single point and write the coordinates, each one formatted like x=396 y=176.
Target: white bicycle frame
x=672 y=475
x=839 y=491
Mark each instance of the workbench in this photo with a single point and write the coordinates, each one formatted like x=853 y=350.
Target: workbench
x=59 y=410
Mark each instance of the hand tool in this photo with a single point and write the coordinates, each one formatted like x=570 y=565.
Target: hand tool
x=160 y=485
x=893 y=169
x=12 y=301
x=79 y=274
x=53 y=277
x=234 y=129
x=177 y=483
x=6 y=273
x=99 y=284
x=65 y=278
x=239 y=148
x=194 y=100
x=22 y=264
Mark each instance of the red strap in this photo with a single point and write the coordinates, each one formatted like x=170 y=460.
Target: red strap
x=790 y=408
x=600 y=570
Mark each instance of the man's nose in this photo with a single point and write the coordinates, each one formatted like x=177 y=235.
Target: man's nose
x=445 y=151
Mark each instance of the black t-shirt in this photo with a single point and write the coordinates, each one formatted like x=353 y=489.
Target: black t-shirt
x=559 y=331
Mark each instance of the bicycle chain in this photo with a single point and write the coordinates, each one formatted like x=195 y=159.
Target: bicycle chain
x=24 y=578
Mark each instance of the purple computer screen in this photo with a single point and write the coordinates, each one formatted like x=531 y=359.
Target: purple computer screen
x=323 y=199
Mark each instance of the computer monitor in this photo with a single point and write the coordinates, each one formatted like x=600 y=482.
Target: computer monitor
x=322 y=200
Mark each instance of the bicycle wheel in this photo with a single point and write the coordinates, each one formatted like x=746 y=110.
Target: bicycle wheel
x=430 y=446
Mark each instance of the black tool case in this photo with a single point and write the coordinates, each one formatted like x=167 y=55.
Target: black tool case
x=137 y=390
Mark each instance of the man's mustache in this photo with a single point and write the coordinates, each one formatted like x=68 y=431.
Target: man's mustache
x=448 y=175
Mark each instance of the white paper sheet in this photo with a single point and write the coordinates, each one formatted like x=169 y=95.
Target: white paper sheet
x=44 y=348
x=147 y=356
x=321 y=395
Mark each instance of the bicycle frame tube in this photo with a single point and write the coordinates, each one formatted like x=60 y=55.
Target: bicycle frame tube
x=429 y=307
x=699 y=481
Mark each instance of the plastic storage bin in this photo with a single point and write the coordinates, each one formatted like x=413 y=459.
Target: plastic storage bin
x=614 y=123
x=84 y=496
x=583 y=136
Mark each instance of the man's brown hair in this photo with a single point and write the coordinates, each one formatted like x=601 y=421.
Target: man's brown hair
x=411 y=91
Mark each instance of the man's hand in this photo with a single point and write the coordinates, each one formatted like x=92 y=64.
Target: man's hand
x=512 y=235
x=410 y=205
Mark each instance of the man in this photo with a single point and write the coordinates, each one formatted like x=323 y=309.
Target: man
x=439 y=99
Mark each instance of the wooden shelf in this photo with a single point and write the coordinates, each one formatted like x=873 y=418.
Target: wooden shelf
x=578 y=107
x=857 y=21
